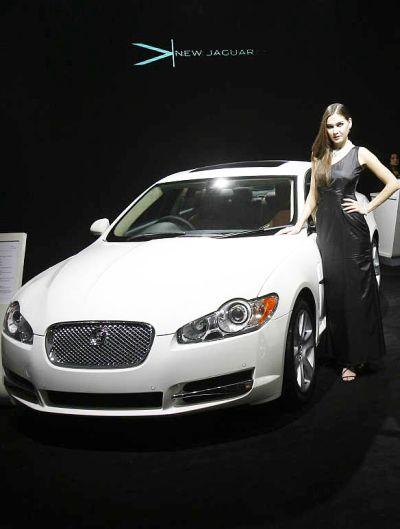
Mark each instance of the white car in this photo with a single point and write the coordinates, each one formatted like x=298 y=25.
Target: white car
x=182 y=304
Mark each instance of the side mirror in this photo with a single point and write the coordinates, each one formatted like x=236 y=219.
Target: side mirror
x=99 y=226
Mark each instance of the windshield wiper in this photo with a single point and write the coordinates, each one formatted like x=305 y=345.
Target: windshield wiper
x=244 y=233
x=150 y=236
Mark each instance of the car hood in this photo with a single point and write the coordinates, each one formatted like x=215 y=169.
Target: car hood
x=165 y=282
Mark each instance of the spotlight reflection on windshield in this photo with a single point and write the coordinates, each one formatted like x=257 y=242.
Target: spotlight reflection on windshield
x=221 y=183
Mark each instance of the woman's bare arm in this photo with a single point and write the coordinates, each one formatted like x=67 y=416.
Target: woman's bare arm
x=311 y=202
x=369 y=159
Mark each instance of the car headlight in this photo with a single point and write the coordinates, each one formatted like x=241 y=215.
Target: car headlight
x=15 y=325
x=236 y=316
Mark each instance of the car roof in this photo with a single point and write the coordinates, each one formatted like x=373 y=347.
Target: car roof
x=246 y=168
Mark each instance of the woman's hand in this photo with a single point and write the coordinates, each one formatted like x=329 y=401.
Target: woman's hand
x=289 y=230
x=352 y=205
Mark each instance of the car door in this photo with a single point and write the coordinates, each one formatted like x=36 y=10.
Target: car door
x=311 y=230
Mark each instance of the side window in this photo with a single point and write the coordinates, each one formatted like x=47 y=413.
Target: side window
x=307 y=185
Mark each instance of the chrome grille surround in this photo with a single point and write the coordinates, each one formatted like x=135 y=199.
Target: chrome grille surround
x=99 y=344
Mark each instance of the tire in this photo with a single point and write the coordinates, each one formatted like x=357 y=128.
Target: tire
x=299 y=374
x=376 y=261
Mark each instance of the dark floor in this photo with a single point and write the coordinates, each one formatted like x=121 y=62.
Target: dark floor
x=335 y=464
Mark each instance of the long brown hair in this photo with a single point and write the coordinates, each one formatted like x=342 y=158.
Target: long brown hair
x=321 y=151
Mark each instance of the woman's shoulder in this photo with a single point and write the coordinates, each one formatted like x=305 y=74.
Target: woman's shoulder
x=364 y=155
x=361 y=149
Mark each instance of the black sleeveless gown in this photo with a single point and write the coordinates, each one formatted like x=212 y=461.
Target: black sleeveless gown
x=353 y=313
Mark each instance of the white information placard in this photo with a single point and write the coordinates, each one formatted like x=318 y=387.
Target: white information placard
x=9 y=251
x=12 y=256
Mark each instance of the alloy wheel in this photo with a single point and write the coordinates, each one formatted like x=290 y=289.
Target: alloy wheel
x=304 y=350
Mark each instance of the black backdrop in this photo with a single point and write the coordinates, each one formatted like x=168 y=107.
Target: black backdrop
x=85 y=130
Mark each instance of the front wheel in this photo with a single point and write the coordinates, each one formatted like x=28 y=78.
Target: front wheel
x=300 y=357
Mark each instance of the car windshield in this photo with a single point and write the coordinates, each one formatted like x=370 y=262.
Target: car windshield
x=209 y=207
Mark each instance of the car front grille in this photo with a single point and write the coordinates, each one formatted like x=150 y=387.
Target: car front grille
x=99 y=344
x=104 y=401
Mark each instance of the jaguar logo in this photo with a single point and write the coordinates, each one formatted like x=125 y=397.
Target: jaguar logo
x=98 y=336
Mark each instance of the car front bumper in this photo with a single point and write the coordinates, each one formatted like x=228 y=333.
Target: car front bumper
x=247 y=367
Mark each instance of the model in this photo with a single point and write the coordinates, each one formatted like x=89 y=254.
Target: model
x=354 y=321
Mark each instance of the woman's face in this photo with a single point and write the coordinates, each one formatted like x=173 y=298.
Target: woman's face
x=338 y=128
x=394 y=159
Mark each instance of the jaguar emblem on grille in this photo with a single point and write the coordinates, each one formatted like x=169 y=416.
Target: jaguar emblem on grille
x=98 y=336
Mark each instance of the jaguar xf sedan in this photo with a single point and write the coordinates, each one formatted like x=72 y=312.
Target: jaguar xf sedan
x=190 y=300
